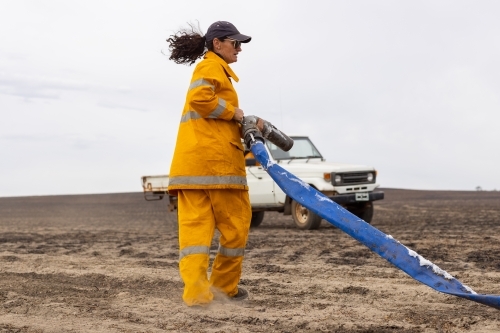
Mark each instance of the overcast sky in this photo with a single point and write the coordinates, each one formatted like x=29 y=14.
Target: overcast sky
x=89 y=103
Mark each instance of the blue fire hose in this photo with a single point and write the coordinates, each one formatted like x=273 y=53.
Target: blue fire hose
x=384 y=245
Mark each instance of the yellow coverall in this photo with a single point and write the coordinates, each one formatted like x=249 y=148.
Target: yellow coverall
x=208 y=176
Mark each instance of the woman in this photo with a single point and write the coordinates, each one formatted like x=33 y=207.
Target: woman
x=208 y=168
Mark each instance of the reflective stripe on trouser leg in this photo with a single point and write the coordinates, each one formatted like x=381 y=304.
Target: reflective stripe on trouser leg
x=196 y=229
x=233 y=213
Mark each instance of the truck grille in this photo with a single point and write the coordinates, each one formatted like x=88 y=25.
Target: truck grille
x=352 y=178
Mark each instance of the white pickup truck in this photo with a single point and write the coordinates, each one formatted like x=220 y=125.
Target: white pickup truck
x=351 y=186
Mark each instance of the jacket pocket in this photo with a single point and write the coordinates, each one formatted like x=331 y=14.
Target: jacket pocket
x=237 y=158
x=238 y=146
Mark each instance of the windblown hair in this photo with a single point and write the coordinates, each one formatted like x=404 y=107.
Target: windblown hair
x=188 y=45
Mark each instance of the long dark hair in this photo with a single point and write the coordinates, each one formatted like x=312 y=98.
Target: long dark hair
x=188 y=45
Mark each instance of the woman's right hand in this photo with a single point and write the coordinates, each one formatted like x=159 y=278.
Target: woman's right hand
x=238 y=115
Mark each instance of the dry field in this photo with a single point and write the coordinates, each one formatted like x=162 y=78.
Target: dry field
x=108 y=263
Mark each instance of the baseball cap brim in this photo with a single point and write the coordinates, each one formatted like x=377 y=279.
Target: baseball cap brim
x=241 y=38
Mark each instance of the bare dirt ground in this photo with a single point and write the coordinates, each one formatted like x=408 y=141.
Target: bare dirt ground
x=108 y=263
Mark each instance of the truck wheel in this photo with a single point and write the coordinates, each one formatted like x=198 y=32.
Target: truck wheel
x=364 y=211
x=304 y=218
x=257 y=218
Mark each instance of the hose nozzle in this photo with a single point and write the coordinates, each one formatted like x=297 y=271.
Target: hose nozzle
x=256 y=129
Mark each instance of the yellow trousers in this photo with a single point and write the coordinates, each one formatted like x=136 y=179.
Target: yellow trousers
x=200 y=213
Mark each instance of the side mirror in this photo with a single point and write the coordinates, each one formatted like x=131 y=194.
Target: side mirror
x=250 y=162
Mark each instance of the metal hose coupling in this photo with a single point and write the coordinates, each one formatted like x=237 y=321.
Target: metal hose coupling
x=250 y=132
x=256 y=129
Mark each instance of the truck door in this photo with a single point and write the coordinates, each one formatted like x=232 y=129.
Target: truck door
x=260 y=183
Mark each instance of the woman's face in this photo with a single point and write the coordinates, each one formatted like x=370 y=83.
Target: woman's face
x=228 y=49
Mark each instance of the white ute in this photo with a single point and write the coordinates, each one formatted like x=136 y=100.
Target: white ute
x=351 y=186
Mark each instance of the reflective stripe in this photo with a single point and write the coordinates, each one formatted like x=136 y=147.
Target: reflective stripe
x=190 y=115
x=199 y=83
x=198 y=249
x=213 y=115
x=219 y=109
x=231 y=252
x=207 y=180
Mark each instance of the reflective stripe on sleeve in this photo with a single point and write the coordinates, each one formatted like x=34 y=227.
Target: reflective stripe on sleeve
x=199 y=83
x=198 y=249
x=208 y=180
x=219 y=109
x=213 y=115
x=240 y=252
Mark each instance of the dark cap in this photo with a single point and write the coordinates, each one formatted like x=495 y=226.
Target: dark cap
x=222 y=29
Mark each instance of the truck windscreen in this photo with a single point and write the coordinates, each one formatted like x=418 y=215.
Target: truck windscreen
x=302 y=148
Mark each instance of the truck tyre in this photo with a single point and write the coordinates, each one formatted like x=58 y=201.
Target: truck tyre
x=257 y=218
x=364 y=211
x=304 y=219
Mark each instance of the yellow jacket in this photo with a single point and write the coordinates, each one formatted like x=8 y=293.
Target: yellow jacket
x=208 y=153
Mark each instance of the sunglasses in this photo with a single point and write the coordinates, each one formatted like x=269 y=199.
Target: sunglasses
x=236 y=43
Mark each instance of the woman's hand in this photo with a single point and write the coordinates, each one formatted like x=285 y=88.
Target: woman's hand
x=238 y=115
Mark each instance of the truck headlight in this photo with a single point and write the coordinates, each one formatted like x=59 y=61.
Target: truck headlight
x=369 y=177
x=337 y=179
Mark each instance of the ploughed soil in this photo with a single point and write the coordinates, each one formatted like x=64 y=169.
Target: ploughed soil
x=108 y=263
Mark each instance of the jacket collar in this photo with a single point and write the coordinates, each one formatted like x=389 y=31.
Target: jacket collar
x=212 y=56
